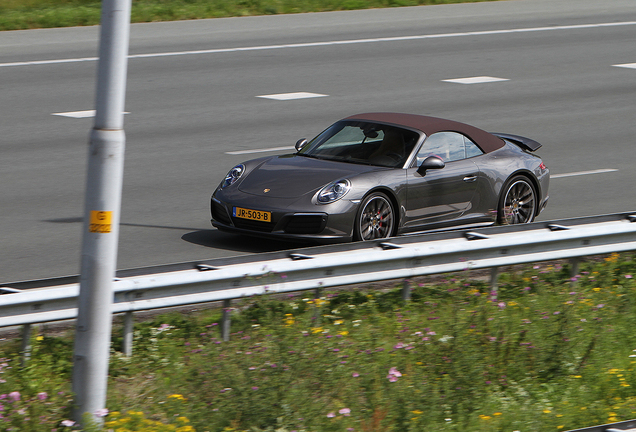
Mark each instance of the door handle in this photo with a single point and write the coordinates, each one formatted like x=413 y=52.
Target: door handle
x=470 y=178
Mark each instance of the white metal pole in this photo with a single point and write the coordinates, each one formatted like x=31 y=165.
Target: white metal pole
x=101 y=215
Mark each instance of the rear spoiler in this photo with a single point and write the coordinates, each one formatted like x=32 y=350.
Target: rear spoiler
x=523 y=142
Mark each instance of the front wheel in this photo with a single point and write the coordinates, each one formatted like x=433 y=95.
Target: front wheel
x=517 y=203
x=375 y=219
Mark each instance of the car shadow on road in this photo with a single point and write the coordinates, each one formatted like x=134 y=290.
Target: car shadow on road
x=235 y=242
x=214 y=238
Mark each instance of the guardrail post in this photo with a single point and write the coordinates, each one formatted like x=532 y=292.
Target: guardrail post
x=406 y=290
x=494 y=276
x=574 y=269
x=226 y=320
x=317 y=316
x=26 y=344
x=127 y=344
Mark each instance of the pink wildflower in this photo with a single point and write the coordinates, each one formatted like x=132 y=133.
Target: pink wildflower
x=345 y=411
x=102 y=412
x=394 y=374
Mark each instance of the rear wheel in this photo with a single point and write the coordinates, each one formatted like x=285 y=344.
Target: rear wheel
x=375 y=219
x=517 y=203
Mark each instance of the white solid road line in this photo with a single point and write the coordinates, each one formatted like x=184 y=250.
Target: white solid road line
x=580 y=173
x=337 y=42
x=552 y=176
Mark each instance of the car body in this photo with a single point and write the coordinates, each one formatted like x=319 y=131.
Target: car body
x=378 y=175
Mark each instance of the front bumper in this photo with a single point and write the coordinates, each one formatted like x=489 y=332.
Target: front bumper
x=286 y=223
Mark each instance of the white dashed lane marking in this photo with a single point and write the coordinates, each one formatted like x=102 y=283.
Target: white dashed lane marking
x=292 y=96
x=580 y=173
x=626 y=65
x=78 y=114
x=273 y=149
x=475 y=80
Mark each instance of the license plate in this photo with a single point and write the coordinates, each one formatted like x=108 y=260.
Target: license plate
x=257 y=215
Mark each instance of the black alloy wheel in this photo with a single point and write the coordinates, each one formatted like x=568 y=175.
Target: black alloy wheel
x=376 y=218
x=517 y=204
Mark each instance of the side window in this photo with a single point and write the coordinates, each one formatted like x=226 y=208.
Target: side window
x=471 y=148
x=448 y=146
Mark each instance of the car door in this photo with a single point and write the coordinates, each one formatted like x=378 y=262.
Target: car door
x=440 y=195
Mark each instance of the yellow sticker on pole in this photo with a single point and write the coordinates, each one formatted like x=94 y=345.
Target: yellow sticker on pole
x=101 y=221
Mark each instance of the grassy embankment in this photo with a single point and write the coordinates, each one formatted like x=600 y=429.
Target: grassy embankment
x=544 y=353
x=30 y=14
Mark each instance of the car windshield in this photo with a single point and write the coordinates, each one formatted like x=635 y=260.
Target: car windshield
x=363 y=143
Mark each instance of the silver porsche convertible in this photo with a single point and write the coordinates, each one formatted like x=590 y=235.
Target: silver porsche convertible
x=377 y=175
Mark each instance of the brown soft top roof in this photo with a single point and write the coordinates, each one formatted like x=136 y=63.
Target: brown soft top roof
x=429 y=125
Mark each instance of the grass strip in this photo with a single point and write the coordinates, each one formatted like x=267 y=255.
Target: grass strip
x=545 y=352
x=31 y=14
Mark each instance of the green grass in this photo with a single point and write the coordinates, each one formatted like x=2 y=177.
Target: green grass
x=30 y=14
x=541 y=354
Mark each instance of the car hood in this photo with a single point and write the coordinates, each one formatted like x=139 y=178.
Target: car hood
x=291 y=176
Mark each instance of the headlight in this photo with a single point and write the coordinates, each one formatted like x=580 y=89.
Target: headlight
x=334 y=191
x=234 y=174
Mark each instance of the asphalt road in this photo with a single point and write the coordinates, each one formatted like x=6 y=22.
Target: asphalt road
x=194 y=92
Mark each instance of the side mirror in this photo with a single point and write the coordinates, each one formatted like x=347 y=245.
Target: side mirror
x=300 y=144
x=431 y=162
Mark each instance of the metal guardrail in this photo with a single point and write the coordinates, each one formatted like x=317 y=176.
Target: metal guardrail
x=624 y=426
x=330 y=266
